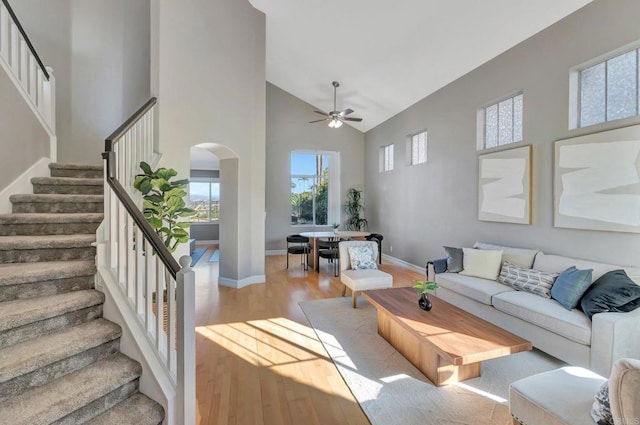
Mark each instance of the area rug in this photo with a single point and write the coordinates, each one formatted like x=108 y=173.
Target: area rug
x=215 y=256
x=392 y=391
x=196 y=255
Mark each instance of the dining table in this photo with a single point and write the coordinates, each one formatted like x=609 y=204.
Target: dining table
x=342 y=234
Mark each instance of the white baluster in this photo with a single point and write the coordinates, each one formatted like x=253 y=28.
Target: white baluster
x=4 y=32
x=122 y=247
x=14 y=45
x=150 y=266
x=32 y=67
x=159 y=305
x=140 y=273
x=171 y=331
x=131 y=254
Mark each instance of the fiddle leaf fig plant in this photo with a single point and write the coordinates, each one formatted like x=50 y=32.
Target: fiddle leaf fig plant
x=163 y=204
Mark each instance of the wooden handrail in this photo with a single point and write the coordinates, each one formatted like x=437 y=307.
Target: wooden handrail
x=108 y=143
x=149 y=234
x=26 y=38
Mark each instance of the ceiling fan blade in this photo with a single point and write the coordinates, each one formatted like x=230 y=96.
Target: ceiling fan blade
x=321 y=113
x=326 y=119
x=346 y=112
x=351 y=119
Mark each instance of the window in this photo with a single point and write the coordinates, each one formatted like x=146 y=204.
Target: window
x=605 y=89
x=386 y=158
x=314 y=188
x=204 y=197
x=419 y=148
x=500 y=123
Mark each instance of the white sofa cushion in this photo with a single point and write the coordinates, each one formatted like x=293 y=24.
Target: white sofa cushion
x=558 y=264
x=546 y=313
x=478 y=289
x=481 y=263
x=561 y=396
x=366 y=279
x=519 y=256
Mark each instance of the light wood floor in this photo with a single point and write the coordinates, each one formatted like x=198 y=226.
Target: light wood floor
x=258 y=359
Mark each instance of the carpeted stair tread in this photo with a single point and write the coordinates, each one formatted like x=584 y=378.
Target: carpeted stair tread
x=137 y=409
x=56 y=197
x=67 y=181
x=30 y=355
x=63 y=396
x=46 y=241
x=17 y=273
x=61 y=165
x=54 y=218
x=24 y=311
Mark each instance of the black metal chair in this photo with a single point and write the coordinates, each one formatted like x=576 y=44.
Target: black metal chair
x=299 y=245
x=329 y=249
x=378 y=238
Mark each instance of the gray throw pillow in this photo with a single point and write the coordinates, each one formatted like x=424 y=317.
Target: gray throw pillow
x=454 y=259
x=601 y=408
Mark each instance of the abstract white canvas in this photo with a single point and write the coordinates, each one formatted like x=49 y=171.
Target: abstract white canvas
x=504 y=186
x=597 y=181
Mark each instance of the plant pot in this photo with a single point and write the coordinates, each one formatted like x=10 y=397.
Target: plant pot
x=424 y=302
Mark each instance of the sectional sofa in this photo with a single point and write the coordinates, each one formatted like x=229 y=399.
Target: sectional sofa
x=567 y=335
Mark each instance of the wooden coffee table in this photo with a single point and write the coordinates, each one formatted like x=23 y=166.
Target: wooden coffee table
x=447 y=344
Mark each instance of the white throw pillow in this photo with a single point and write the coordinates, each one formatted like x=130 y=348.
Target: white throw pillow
x=362 y=257
x=482 y=263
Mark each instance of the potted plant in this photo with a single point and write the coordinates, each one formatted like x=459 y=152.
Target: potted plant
x=335 y=227
x=423 y=287
x=163 y=204
x=354 y=208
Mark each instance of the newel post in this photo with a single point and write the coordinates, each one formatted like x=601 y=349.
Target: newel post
x=186 y=349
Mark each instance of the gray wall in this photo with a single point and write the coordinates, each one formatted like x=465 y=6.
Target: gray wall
x=420 y=208
x=22 y=138
x=288 y=129
x=100 y=54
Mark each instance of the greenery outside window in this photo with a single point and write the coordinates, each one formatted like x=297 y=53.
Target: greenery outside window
x=204 y=197
x=313 y=179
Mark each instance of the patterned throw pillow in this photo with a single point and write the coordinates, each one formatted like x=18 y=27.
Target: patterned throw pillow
x=601 y=408
x=528 y=280
x=362 y=257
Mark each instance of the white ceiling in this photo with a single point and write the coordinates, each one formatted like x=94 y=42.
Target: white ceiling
x=387 y=55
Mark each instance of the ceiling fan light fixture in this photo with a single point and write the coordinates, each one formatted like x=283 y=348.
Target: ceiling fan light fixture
x=335 y=123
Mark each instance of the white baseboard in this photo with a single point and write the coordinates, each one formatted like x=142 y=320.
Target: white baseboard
x=275 y=252
x=241 y=283
x=22 y=185
x=395 y=260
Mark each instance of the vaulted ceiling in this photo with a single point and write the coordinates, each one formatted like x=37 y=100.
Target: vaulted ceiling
x=387 y=55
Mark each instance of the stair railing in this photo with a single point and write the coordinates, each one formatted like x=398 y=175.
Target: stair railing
x=159 y=293
x=34 y=81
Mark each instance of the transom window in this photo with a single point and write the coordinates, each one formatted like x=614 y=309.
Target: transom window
x=314 y=188
x=605 y=89
x=386 y=158
x=500 y=123
x=419 y=148
x=204 y=197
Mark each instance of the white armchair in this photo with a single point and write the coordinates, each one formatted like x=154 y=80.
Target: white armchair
x=361 y=279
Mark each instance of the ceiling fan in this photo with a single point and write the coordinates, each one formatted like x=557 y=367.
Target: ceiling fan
x=336 y=117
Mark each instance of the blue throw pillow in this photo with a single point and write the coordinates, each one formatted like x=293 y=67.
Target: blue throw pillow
x=570 y=286
x=613 y=291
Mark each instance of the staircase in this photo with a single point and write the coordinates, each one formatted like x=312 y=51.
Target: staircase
x=59 y=358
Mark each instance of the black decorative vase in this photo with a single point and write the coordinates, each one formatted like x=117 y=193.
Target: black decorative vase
x=424 y=302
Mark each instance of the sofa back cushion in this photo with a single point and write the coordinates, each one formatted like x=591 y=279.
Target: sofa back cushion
x=558 y=264
x=518 y=256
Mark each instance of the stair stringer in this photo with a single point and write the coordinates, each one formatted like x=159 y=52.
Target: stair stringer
x=154 y=381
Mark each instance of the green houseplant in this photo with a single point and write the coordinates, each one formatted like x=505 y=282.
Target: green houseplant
x=354 y=209
x=163 y=204
x=423 y=287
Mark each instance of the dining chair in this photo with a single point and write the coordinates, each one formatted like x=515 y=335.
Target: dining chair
x=298 y=245
x=377 y=237
x=329 y=249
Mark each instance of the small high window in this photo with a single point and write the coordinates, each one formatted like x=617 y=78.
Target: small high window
x=386 y=158
x=419 y=148
x=500 y=123
x=605 y=89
